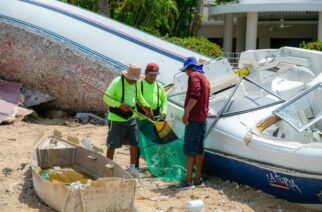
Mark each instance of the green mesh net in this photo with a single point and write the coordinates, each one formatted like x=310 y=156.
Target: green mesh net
x=164 y=160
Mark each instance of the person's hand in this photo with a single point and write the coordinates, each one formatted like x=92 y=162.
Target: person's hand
x=185 y=118
x=163 y=116
x=148 y=111
x=125 y=107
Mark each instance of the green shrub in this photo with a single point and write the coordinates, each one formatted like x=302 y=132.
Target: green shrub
x=200 y=45
x=223 y=1
x=317 y=45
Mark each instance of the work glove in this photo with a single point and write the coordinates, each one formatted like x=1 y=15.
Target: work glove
x=148 y=111
x=162 y=117
x=125 y=108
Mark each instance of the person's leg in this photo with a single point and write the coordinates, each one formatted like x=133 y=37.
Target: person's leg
x=200 y=157
x=110 y=153
x=133 y=140
x=134 y=150
x=114 y=138
x=190 y=165
x=189 y=151
x=137 y=164
x=199 y=163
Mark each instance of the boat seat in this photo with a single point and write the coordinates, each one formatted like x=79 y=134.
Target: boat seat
x=266 y=77
x=216 y=103
x=316 y=80
x=285 y=88
x=316 y=135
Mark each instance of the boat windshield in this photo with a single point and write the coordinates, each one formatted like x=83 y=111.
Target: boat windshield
x=244 y=97
x=304 y=110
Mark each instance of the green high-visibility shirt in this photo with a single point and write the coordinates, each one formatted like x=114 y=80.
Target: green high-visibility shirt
x=150 y=94
x=131 y=96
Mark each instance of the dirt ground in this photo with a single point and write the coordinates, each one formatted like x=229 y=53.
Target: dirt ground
x=152 y=194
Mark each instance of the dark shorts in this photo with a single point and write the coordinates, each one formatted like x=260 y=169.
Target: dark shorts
x=120 y=133
x=194 y=136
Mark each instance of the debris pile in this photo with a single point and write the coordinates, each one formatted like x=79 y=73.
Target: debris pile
x=10 y=99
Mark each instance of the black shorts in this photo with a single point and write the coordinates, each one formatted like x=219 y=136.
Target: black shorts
x=120 y=133
x=194 y=136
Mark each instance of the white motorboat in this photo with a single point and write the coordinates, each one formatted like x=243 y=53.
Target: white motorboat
x=264 y=130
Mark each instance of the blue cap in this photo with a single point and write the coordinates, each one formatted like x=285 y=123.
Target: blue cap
x=192 y=63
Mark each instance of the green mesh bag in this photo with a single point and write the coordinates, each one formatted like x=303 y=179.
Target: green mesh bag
x=164 y=160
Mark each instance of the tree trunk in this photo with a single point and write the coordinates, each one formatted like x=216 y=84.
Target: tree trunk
x=198 y=17
x=104 y=8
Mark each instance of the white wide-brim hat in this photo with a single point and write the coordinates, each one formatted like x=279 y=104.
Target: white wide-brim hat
x=133 y=72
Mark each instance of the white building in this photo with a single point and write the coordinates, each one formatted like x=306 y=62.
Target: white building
x=259 y=24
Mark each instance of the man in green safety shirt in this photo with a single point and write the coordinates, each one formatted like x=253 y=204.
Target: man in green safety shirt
x=124 y=93
x=154 y=94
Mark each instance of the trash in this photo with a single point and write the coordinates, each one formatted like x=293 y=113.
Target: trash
x=71 y=124
x=10 y=97
x=34 y=97
x=195 y=206
x=160 y=198
x=57 y=168
x=87 y=143
x=109 y=166
x=44 y=175
x=90 y=118
x=7 y=171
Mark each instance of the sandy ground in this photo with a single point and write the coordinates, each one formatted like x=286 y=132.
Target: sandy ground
x=152 y=194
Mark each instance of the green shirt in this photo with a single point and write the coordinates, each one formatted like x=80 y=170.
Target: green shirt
x=130 y=95
x=150 y=94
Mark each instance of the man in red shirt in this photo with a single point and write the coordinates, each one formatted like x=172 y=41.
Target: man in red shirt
x=195 y=119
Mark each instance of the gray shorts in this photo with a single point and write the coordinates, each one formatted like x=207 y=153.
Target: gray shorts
x=120 y=133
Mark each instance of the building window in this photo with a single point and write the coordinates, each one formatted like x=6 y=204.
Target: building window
x=276 y=43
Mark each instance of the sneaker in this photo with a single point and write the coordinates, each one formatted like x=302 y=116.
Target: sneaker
x=199 y=184
x=185 y=185
x=134 y=172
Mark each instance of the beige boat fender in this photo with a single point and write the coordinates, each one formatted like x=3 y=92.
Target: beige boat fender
x=248 y=137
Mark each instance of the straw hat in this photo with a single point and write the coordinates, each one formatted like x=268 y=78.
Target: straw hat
x=133 y=72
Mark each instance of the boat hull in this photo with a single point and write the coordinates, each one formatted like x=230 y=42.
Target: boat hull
x=301 y=188
x=111 y=188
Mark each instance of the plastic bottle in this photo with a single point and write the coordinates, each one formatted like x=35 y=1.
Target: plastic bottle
x=195 y=206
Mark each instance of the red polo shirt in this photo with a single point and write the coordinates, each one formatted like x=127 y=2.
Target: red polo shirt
x=198 y=88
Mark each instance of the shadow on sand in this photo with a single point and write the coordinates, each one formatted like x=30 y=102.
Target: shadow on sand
x=28 y=195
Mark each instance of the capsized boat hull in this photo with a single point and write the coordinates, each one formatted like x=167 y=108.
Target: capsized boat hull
x=297 y=187
x=41 y=46
x=112 y=189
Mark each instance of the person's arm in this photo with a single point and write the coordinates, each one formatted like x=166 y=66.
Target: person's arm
x=191 y=104
x=163 y=101
x=194 y=94
x=112 y=90
x=142 y=103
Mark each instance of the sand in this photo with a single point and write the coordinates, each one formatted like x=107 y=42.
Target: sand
x=152 y=194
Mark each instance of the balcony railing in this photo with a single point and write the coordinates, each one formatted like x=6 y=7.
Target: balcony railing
x=233 y=58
